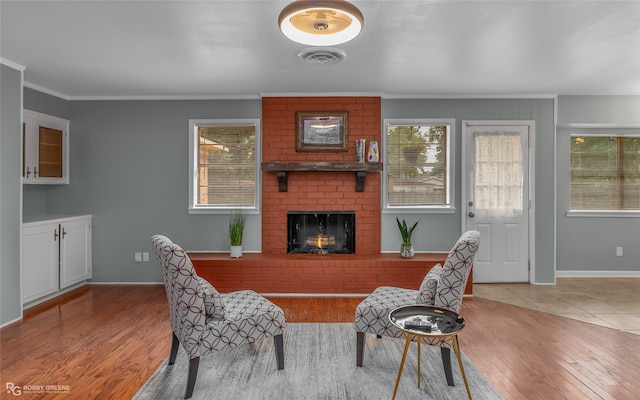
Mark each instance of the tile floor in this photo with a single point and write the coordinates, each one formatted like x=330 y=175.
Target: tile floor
x=610 y=302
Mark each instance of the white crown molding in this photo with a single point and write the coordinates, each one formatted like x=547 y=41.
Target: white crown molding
x=395 y=96
x=176 y=97
x=12 y=64
x=47 y=91
x=597 y=274
x=400 y=96
x=116 y=98
x=597 y=126
x=336 y=94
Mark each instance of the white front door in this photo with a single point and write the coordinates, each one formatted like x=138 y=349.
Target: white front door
x=495 y=197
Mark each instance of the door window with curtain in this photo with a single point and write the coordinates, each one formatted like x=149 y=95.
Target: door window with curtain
x=224 y=162
x=498 y=174
x=498 y=167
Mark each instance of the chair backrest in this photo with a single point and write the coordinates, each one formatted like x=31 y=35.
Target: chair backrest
x=455 y=272
x=186 y=303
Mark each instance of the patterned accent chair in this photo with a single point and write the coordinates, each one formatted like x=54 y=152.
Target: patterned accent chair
x=443 y=286
x=205 y=321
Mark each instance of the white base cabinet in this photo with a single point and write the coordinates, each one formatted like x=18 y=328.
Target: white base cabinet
x=56 y=254
x=40 y=270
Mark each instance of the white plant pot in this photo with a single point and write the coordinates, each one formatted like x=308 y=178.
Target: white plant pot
x=236 y=251
x=406 y=251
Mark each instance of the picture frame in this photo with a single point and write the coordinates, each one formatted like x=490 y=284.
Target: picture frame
x=322 y=131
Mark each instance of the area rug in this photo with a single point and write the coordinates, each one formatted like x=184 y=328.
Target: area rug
x=320 y=363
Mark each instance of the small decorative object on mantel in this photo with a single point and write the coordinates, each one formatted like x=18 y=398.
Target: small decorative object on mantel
x=360 y=150
x=236 y=229
x=406 y=248
x=373 y=155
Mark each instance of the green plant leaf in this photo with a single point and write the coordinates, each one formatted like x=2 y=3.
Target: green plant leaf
x=236 y=227
x=405 y=231
x=412 y=228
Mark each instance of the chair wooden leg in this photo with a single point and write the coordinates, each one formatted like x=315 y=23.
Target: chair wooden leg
x=359 y=348
x=175 y=343
x=191 y=379
x=279 y=345
x=446 y=363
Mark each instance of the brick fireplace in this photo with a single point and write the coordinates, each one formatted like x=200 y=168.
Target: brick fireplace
x=318 y=190
x=321 y=232
x=276 y=272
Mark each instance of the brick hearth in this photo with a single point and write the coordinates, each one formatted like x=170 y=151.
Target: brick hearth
x=314 y=274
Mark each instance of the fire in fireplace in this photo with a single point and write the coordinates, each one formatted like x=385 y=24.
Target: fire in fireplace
x=321 y=232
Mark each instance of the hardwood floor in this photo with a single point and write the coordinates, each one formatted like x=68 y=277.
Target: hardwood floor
x=104 y=341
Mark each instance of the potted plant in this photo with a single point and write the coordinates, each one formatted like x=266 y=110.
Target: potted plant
x=406 y=248
x=236 y=229
x=411 y=151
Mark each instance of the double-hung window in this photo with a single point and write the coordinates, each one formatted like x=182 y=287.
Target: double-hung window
x=605 y=171
x=419 y=165
x=224 y=165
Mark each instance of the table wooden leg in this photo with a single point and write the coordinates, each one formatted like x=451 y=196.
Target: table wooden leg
x=456 y=348
x=404 y=356
x=419 y=340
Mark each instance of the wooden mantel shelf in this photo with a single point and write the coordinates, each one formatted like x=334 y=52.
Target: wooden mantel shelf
x=282 y=168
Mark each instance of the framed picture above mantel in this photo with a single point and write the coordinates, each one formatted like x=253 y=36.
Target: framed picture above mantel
x=322 y=131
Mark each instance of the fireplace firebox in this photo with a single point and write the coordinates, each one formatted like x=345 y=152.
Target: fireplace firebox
x=321 y=232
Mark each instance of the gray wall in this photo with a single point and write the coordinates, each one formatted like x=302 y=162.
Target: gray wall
x=35 y=196
x=623 y=110
x=129 y=169
x=437 y=232
x=589 y=243
x=10 y=193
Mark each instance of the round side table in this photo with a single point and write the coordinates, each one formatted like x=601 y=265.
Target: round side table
x=420 y=320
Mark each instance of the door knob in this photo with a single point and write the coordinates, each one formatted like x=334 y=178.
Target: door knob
x=471 y=215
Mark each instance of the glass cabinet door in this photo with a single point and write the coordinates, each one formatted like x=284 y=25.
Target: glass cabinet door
x=49 y=152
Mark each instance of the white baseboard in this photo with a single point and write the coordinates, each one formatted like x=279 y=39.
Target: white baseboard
x=125 y=283
x=12 y=321
x=35 y=302
x=598 y=274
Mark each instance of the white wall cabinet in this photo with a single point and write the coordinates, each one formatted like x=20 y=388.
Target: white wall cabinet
x=56 y=254
x=45 y=149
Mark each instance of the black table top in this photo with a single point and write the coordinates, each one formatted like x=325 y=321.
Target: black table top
x=421 y=319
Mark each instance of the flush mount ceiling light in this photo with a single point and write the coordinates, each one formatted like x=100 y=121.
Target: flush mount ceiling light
x=321 y=22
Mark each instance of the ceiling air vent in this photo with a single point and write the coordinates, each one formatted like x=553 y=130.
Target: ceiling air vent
x=322 y=55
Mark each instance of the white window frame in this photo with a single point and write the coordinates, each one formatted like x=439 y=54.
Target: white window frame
x=450 y=154
x=599 y=130
x=193 y=166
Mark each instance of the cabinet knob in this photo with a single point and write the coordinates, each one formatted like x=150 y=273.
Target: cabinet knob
x=28 y=172
x=35 y=172
x=55 y=235
x=64 y=233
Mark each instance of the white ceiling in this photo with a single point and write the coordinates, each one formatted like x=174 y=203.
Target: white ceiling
x=233 y=49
